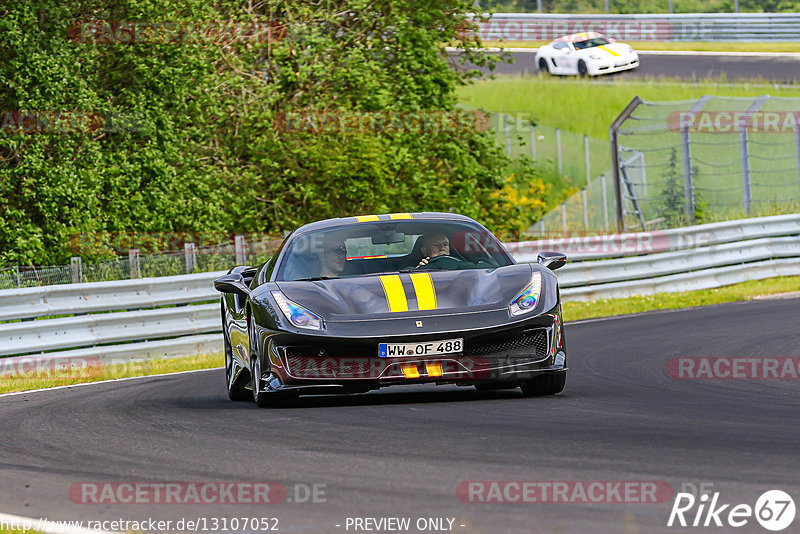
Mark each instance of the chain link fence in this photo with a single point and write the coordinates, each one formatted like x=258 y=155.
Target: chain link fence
x=691 y=162
x=191 y=260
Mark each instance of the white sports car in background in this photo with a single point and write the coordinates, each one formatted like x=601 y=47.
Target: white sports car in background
x=585 y=54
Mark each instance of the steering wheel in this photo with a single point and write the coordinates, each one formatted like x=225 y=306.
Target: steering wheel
x=450 y=263
x=443 y=256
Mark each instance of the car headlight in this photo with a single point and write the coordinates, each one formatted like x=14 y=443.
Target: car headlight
x=527 y=299
x=297 y=315
x=594 y=56
x=630 y=49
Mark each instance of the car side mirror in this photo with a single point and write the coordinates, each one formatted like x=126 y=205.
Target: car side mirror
x=232 y=283
x=552 y=260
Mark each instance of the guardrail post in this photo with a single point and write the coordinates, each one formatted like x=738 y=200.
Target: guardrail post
x=558 y=150
x=239 y=246
x=533 y=143
x=76 y=268
x=135 y=265
x=191 y=258
x=586 y=150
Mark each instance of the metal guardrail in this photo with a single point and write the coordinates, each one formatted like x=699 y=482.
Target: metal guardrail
x=583 y=248
x=172 y=316
x=742 y=27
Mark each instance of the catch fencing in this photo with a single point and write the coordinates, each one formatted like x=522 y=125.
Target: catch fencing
x=180 y=315
x=731 y=27
x=686 y=162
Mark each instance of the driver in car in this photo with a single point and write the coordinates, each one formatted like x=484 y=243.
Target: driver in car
x=433 y=245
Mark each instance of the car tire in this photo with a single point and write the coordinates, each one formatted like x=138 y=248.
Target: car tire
x=236 y=392
x=265 y=399
x=583 y=70
x=543 y=66
x=547 y=384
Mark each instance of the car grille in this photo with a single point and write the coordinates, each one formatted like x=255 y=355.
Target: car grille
x=528 y=344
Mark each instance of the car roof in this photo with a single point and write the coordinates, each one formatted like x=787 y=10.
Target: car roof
x=418 y=216
x=578 y=37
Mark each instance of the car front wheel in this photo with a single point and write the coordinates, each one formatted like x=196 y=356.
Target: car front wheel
x=546 y=384
x=543 y=66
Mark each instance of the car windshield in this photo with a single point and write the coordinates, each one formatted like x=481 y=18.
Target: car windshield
x=589 y=43
x=370 y=248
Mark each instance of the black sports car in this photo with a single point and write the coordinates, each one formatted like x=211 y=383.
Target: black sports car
x=359 y=303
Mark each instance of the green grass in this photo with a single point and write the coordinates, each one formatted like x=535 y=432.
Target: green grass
x=700 y=46
x=591 y=105
x=579 y=106
x=94 y=374
x=574 y=311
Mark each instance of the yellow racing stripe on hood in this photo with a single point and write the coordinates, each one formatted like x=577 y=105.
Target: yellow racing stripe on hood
x=367 y=218
x=423 y=287
x=602 y=47
x=395 y=294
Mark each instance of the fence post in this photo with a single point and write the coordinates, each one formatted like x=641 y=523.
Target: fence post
x=564 y=218
x=77 y=269
x=558 y=149
x=239 y=246
x=542 y=228
x=744 y=151
x=508 y=136
x=586 y=149
x=191 y=258
x=533 y=143
x=18 y=280
x=613 y=137
x=585 y=202
x=133 y=261
x=688 y=177
x=605 y=201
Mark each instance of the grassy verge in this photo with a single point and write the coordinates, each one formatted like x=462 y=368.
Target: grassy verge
x=94 y=374
x=563 y=102
x=574 y=311
x=701 y=46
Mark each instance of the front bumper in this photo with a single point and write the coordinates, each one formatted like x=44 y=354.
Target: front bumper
x=320 y=365
x=616 y=65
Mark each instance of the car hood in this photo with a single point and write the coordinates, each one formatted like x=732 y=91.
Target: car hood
x=606 y=51
x=424 y=293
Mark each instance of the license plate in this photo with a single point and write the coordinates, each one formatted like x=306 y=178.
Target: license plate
x=428 y=348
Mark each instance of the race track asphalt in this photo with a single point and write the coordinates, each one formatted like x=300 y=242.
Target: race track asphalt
x=402 y=452
x=780 y=69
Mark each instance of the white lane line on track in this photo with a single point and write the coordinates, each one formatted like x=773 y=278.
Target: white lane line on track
x=790 y=55
x=44 y=525
x=106 y=382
